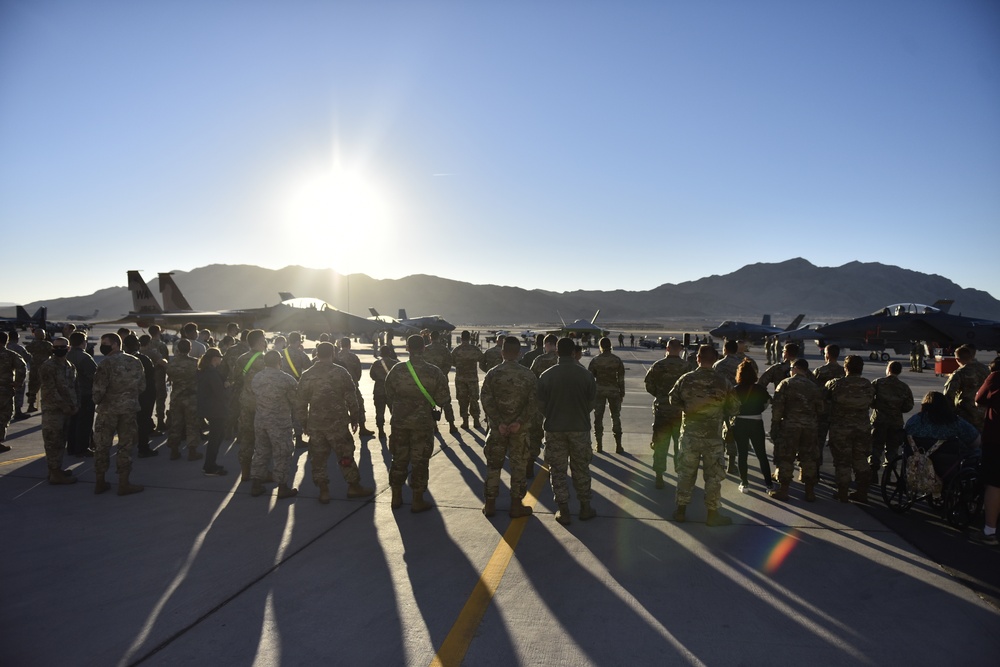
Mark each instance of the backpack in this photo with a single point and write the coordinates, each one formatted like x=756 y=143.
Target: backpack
x=921 y=477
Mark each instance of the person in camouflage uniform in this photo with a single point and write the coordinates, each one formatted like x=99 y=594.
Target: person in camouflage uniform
x=327 y=408
x=437 y=354
x=295 y=362
x=81 y=425
x=352 y=363
x=466 y=358
x=566 y=393
x=493 y=356
x=780 y=370
x=510 y=400
x=159 y=354
x=117 y=383
x=795 y=409
x=40 y=350
x=412 y=438
x=893 y=399
x=831 y=370
x=727 y=366
x=546 y=360
x=962 y=385
x=609 y=371
x=378 y=372
x=12 y=372
x=848 y=400
x=229 y=363
x=705 y=398
x=659 y=380
x=920 y=356
x=275 y=396
x=59 y=402
x=246 y=366
x=184 y=421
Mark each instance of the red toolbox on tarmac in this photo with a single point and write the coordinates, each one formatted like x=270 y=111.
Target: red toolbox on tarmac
x=945 y=365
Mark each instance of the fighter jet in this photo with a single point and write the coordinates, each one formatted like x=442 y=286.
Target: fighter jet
x=582 y=328
x=22 y=320
x=392 y=325
x=805 y=332
x=896 y=326
x=310 y=316
x=407 y=326
x=82 y=318
x=748 y=331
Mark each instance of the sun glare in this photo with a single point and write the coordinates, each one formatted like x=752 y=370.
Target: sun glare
x=336 y=218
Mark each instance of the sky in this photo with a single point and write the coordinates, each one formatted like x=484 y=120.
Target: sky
x=550 y=144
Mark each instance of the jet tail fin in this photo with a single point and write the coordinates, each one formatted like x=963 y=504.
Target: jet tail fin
x=765 y=321
x=402 y=314
x=944 y=305
x=285 y=296
x=373 y=312
x=594 y=321
x=143 y=300
x=22 y=315
x=795 y=323
x=172 y=297
x=41 y=315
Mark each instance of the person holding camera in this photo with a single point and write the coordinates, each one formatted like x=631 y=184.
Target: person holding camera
x=415 y=390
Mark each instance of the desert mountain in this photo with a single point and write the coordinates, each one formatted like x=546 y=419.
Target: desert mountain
x=781 y=289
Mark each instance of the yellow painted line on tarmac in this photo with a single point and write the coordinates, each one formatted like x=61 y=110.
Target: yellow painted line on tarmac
x=20 y=460
x=456 y=644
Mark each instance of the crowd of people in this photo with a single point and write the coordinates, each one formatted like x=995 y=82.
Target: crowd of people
x=272 y=400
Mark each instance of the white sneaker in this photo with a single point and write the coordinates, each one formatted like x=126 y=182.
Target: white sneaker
x=744 y=488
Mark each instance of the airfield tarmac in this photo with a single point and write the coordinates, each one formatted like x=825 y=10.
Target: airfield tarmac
x=196 y=571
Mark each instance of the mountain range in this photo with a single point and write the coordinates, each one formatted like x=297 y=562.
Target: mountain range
x=781 y=289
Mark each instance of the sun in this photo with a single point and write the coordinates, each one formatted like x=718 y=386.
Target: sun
x=336 y=217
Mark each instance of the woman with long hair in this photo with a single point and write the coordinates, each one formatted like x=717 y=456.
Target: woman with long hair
x=748 y=428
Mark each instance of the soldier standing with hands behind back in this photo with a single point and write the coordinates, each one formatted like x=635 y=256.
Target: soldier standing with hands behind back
x=59 y=403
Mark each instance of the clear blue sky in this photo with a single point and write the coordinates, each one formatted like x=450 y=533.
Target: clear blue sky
x=557 y=145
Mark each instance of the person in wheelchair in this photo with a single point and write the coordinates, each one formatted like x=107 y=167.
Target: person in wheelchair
x=937 y=421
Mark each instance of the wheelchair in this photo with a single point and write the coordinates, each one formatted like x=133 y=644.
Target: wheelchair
x=961 y=499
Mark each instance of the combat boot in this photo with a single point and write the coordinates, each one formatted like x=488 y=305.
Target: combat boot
x=355 y=490
x=490 y=507
x=60 y=477
x=715 y=518
x=586 y=511
x=257 y=488
x=659 y=480
x=600 y=445
x=285 y=492
x=860 y=495
x=680 y=514
x=465 y=423
x=562 y=515
x=244 y=472
x=194 y=454
x=126 y=489
x=478 y=425
x=100 y=486
x=618 y=444
x=810 y=496
x=31 y=407
x=419 y=504
x=397 y=497
x=324 y=492
x=175 y=452
x=780 y=493
x=517 y=509
x=842 y=495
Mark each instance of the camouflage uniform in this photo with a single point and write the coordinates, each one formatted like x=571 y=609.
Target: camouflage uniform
x=893 y=399
x=706 y=399
x=609 y=371
x=244 y=370
x=157 y=351
x=327 y=408
x=822 y=375
x=961 y=388
x=848 y=400
x=12 y=372
x=660 y=379
x=40 y=350
x=774 y=374
x=436 y=354
x=117 y=383
x=795 y=411
x=492 y=358
x=412 y=438
x=379 y=369
x=352 y=363
x=274 y=392
x=184 y=421
x=727 y=365
x=466 y=358
x=229 y=363
x=57 y=378
x=295 y=361
x=529 y=357
x=510 y=394
x=542 y=363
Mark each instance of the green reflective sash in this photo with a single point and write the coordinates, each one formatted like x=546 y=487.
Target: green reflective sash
x=420 y=386
x=246 y=369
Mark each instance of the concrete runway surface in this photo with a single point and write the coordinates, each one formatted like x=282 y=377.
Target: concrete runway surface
x=195 y=571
